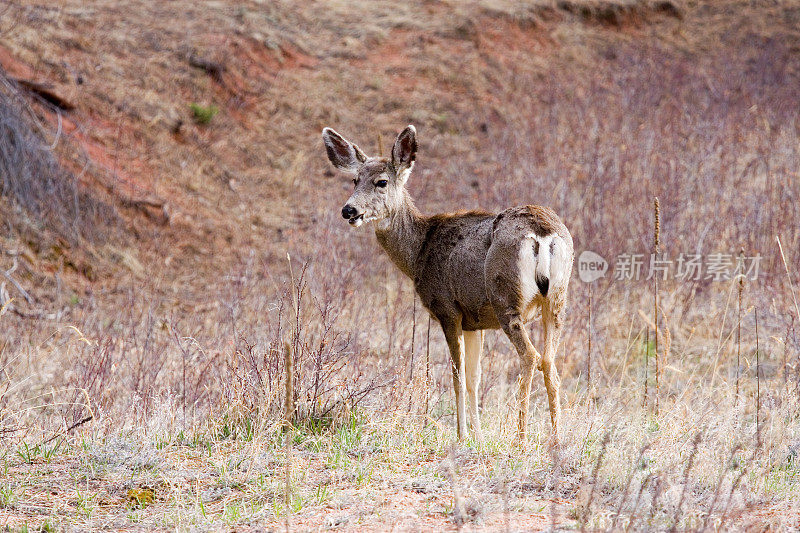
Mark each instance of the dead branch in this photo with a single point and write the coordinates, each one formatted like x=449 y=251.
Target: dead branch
x=62 y=433
x=45 y=92
x=212 y=68
x=15 y=283
x=145 y=205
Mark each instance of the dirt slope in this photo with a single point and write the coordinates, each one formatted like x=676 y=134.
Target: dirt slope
x=197 y=199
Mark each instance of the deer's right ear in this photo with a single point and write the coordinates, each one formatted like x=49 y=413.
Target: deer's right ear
x=344 y=155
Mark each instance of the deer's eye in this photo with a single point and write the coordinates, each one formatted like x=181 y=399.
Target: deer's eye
x=381 y=183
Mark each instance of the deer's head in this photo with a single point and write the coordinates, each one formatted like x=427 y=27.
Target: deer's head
x=379 y=181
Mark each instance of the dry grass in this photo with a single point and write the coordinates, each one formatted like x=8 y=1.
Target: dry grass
x=175 y=347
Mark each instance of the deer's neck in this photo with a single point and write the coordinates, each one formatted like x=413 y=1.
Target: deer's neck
x=402 y=236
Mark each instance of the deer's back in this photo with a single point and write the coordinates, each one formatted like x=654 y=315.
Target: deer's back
x=451 y=268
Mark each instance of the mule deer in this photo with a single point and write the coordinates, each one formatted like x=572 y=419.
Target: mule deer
x=472 y=270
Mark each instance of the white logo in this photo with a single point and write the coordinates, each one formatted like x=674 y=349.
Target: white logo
x=591 y=267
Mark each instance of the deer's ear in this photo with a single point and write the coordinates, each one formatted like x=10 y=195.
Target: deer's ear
x=343 y=154
x=404 y=152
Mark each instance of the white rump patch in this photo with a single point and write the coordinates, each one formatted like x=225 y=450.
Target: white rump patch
x=560 y=265
x=527 y=263
x=549 y=265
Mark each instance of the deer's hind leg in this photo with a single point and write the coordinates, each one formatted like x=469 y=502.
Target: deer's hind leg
x=551 y=322
x=514 y=328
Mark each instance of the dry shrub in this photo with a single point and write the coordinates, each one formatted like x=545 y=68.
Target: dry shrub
x=330 y=375
x=33 y=179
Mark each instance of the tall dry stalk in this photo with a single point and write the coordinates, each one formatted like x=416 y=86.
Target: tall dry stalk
x=794 y=297
x=786 y=355
x=788 y=276
x=642 y=486
x=689 y=464
x=586 y=514
x=506 y=521
x=289 y=363
x=589 y=349
x=184 y=355
x=288 y=405
x=740 y=289
x=657 y=487
x=428 y=369
x=413 y=335
x=296 y=294
x=646 y=365
x=758 y=386
x=728 y=466
x=743 y=473
x=288 y=411
x=796 y=365
x=412 y=396
x=625 y=491
x=656 y=239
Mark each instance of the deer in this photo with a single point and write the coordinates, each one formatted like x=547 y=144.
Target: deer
x=472 y=271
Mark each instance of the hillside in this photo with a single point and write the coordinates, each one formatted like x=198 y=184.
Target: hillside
x=200 y=197
x=146 y=252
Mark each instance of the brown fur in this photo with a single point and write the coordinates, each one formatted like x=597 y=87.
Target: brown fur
x=473 y=271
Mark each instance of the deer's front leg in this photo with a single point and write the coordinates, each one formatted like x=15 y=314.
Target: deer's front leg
x=455 y=341
x=473 y=348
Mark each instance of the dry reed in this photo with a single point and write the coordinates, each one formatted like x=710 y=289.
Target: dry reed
x=656 y=241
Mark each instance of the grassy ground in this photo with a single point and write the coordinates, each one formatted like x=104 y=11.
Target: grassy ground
x=380 y=473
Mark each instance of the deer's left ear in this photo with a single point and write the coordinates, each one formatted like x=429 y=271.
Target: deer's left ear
x=404 y=152
x=343 y=154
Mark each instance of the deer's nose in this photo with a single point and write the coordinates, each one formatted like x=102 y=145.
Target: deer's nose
x=349 y=211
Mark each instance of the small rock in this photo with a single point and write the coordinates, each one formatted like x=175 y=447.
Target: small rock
x=214 y=494
x=334 y=522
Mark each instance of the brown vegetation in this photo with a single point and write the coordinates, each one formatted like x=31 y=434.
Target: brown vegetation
x=160 y=307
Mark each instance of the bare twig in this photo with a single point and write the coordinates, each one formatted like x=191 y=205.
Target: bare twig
x=212 y=68
x=654 y=502
x=786 y=355
x=739 y=327
x=288 y=405
x=589 y=347
x=15 y=283
x=46 y=92
x=586 y=512
x=624 y=496
x=742 y=473
x=76 y=425
x=689 y=464
x=413 y=335
x=725 y=467
x=788 y=276
x=506 y=522
x=288 y=411
x=758 y=386
x=646 y=365
x=184 y=355
x=428 y=369
x=656 y=238
x=631 y=522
